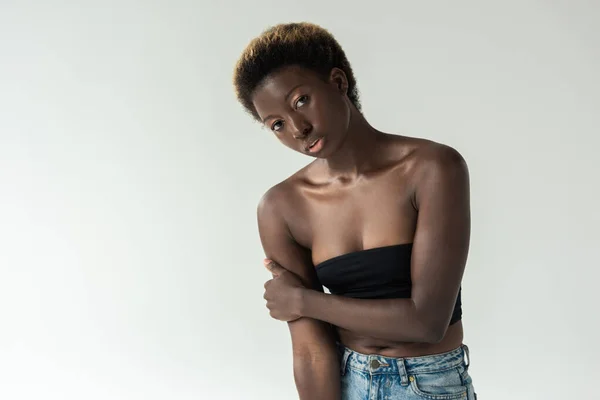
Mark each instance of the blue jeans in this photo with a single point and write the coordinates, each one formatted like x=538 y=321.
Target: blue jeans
x=433 y=377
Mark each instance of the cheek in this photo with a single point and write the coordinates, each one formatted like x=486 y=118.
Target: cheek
x=331 y=111
x=287 y=140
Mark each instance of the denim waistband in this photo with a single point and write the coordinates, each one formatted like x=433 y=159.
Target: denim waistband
x=378 y=364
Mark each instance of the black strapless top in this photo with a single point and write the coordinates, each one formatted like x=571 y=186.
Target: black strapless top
x=378 y=273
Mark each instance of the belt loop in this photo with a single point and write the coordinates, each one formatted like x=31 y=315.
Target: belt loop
x=344 y=361
x=467 y=356
x=402 y=371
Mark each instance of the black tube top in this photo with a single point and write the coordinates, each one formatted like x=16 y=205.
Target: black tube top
x=378 y=273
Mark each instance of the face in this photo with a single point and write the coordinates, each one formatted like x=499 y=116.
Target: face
x=305 y=112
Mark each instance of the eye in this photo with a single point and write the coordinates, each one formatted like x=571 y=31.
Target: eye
x=277 y=125
x=301 y=101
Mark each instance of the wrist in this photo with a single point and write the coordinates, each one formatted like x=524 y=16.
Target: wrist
x=306 y=300
x=300 y=302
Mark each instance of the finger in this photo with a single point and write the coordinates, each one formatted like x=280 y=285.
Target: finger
x=272 y=266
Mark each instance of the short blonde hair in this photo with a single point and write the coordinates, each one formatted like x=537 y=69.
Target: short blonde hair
x=302 y=44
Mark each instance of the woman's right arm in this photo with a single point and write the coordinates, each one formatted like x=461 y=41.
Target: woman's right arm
x=316 y=365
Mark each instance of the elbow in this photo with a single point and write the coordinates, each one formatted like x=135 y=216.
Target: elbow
x=430 y=326
x=435 y=336
x=434 y=332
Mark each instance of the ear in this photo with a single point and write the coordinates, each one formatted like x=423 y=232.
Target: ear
x=338 y=78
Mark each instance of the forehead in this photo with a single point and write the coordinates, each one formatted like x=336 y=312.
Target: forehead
x=273 y=90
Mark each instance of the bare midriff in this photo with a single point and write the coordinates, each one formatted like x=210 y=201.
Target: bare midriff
x=369 y=345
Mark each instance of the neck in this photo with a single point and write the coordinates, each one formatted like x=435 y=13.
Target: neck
x=357 y=151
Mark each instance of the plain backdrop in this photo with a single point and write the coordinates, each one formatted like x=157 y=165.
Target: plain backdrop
x=130 y=264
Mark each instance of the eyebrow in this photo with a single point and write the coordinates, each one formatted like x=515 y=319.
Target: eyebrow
x=285 y=98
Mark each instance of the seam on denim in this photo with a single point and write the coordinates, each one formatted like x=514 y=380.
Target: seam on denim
x=367 y=371
x=413 y=385
x=426 y=370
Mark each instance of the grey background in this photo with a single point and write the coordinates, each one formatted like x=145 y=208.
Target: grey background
x=129 y=177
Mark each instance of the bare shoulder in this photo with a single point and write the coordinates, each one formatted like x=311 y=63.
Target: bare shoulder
x=280 y=196
x=273 y=213
x=287 y=193
x=429 y=157
x=272 y=197
x=439 y=175
x=436 y=153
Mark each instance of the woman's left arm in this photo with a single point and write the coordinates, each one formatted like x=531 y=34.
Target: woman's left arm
x=439 y=254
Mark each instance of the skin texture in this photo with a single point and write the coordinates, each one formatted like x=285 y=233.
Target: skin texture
x=365 y=189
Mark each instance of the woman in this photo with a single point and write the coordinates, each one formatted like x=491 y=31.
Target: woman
x=381 y=220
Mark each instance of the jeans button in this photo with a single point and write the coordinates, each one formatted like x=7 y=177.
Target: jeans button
x=375 y=364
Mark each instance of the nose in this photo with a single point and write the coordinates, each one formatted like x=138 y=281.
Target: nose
x=301 y=127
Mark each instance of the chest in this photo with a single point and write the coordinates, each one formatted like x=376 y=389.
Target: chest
x=368 y=215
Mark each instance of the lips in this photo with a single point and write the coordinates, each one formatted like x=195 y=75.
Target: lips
x=316 y=145
x=310 y=143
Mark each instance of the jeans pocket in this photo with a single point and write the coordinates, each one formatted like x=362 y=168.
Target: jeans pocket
x=441 y=385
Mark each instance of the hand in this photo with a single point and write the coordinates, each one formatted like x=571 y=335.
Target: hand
x=283 y=293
